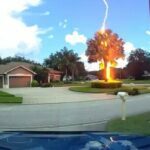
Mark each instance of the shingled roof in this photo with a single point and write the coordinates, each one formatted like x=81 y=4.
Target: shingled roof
x=9 y=66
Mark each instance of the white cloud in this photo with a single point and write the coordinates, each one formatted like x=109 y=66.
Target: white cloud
x=128 y=47
x=63 y=23
x=51 y=36
x=89 y=66
x=147 y=32
x=75 y=38
x=47 y=13
x=15 y=35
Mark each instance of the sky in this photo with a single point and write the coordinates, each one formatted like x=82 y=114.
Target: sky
x=36 y=28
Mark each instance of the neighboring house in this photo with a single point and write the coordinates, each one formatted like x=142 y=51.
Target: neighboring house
x=91 y=77
x=16 y=74
x=54 y=75
x=146 y=74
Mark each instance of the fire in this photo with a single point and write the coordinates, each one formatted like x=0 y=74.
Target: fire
x=108 y=74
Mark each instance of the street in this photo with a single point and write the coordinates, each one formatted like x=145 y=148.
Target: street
x=73 y=116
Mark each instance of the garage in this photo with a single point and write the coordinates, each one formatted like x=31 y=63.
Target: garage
x=1 y=82
x=19 y=81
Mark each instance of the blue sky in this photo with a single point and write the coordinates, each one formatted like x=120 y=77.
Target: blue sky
x=42 y=27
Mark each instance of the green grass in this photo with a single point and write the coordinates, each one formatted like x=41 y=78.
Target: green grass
x=138 y=124
x=73 y=83
x=136 y=81
x=9 y=98
x=88 y=89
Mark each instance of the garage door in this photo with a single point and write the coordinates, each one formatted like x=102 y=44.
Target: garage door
x=1 y=82
x=19 y=81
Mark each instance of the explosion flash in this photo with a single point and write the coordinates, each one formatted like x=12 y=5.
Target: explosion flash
x=106 y=15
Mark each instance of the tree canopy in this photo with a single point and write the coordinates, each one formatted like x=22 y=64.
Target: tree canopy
x=66 y=61
x=105 y=47
x=138 y=62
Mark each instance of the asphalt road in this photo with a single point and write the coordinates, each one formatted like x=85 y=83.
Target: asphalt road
x=86 y=115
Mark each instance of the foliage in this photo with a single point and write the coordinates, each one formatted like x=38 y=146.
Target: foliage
x=34 y=83
x=66 y=61
x=138 y=62
x=41 y=74
x=46 y=85
x=130 y=91
x=105 y=47
x=102 y=84
x=17 y=59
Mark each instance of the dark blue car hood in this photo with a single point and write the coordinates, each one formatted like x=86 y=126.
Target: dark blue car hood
x=72 y=141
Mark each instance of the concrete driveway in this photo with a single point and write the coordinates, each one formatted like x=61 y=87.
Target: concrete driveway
x=55 y=95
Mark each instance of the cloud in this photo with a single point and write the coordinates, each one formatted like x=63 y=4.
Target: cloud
x=147 y=32
x=63 y=23
x=51 y=36
x=75 y=38
x=89 y=66
x=128 y=47
x=16 y=37
x=46 y=13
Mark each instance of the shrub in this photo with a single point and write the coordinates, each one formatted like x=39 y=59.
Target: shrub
x=130 y=91
x=67 y=82
x=103 y=84
x=34 y=83
x=46 y=85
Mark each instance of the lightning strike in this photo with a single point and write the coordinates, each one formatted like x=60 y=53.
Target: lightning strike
x=105 y=17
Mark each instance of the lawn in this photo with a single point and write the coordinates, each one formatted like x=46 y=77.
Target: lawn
x=72 y=83
x=9 y=98
x=127 y=81
x=138 y=124
x=88 y=89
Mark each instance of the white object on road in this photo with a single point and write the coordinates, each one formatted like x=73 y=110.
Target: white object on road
x=123 y=96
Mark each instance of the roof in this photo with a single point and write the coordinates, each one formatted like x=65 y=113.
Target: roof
x=53 y=71
x=10 y=66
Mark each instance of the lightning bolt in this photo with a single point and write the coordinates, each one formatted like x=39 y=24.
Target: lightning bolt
x=106 y=15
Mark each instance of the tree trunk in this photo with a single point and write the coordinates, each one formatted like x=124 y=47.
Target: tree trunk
x=66 y=74
x=105 y=71
x=72 y=74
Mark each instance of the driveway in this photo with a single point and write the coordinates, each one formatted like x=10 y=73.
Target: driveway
x=55 y=95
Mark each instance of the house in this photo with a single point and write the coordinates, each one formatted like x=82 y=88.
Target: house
x=54 y=75
x=16 y=74
x=91 y=77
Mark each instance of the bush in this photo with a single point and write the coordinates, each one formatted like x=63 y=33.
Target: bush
x=34 y=83
x=67 y=82
x=103 y=84
x=130 y=91
x=46 y=85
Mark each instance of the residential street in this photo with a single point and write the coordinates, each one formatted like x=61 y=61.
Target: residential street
x=80 y=115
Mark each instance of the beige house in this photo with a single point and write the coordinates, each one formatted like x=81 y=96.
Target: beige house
x=16 y=74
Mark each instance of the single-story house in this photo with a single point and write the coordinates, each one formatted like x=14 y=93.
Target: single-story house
x=54 y=75
x=16 y=74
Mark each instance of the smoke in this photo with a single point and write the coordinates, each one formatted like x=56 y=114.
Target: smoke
x=106 y=15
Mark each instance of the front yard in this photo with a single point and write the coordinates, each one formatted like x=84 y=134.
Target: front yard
x=9 y=98
x=129 y=89
x=138 y=124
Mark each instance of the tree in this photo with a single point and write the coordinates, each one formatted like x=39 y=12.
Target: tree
x=16 y=59
x=64 y=60
x=106 y=47
x=138 y=62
